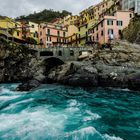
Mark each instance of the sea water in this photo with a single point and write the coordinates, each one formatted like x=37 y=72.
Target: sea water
x=55 y=112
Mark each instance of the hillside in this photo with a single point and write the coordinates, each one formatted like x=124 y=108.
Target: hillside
x=132 y=32
x=44 y=16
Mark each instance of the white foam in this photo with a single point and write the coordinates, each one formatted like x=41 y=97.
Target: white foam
x=82 y=133
x=93 y=116
x=72 y=103
x=6 y=98
x=35 y=123
x=107 y=137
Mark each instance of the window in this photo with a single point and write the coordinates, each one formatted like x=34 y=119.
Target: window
x=71 y=53
x=102 y=33
x=41 y=33
x=110 y=31
x=119 y=23
x=48 y=30
x=50 y=39
x=102 y=24
x=97 y=28
x=86 y=26
x=79 y=29
x=79 y=36
x=109 y=22
x=33 y=26
x=17 y=33
x=64 y=34
x=60 y=53
x=97 y=37
x=58 y=33
x=130 y=15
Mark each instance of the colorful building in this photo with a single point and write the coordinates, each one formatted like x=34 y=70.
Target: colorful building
x=72 y=35
x=11 y=28
x=56 y=35
x=71 y=20
x=33 y=27
x=110 y=25
x=93 y=15
x=42 y=35
x=52 y=34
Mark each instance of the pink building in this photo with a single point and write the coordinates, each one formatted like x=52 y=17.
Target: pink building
x=110 y=25
x=42 y=35
x=52 y=34
x=55 y=35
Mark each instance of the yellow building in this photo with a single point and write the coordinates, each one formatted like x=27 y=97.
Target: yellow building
x=71 y=20
x=92 y=15
x=11 y=27
x=33 y=27
x=72 y=35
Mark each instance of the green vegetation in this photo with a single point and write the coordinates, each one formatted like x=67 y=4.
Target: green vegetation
x=44 y=16
x=132 y=32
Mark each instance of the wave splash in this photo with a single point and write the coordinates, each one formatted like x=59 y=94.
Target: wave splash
x=46 y=114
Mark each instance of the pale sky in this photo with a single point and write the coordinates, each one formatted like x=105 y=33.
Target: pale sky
x=14 y=8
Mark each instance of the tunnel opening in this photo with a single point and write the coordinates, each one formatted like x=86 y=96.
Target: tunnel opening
x=46 y=53
x=60 y=53
x=71 y=53
x=52 y=63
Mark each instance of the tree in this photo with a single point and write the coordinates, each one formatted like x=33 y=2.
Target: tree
x=44 y=16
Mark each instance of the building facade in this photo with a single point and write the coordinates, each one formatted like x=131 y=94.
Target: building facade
x=33 y=27
x=72 y=35
x=56 y=35
x=110 y=25
x=93 y=15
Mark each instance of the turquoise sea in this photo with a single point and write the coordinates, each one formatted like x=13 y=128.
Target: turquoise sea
x=55 y=112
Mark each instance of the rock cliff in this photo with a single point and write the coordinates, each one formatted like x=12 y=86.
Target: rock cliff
x=119 y=68
x=18 y=63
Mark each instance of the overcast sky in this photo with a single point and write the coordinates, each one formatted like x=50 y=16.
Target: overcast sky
x=14 y=8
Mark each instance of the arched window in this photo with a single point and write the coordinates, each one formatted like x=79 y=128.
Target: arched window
x=60 y=53
x=71 y=53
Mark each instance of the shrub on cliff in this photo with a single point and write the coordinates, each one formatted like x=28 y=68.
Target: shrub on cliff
x=132 y=32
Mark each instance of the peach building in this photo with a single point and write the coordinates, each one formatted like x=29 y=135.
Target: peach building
x=72 y=35
x=110 y=25
x=56 y=35
x=52 y=34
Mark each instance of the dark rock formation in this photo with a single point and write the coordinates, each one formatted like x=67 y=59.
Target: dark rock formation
x=29 y=85
x=119 y=68
x=19 y=63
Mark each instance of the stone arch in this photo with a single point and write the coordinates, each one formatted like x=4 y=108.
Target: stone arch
x=51 y=63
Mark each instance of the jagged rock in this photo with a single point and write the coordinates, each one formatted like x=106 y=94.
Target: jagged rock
x=29 y=85
x=119 y=68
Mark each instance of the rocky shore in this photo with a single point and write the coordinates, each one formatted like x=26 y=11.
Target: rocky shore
x=119 y=68
x=19 y=64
